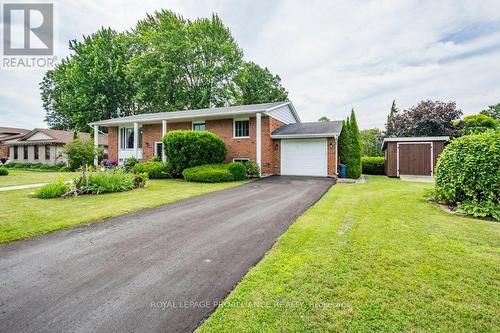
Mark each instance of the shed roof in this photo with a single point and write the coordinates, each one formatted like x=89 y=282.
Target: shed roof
x=414 y=139
x=305 y=130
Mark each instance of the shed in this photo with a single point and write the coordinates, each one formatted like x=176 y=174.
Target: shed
x=412 y=155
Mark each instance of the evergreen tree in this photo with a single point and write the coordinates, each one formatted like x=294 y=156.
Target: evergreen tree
x=344 y=139
x=355 y=149
x=389 y=126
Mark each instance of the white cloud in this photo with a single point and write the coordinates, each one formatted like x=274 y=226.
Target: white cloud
x=331 y=56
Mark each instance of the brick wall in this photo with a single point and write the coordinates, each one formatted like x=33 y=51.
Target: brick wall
x=113 y=143
x=4 y=151
x=270 y=147
x=331 y=157
x=236 y=148
x=150 y=135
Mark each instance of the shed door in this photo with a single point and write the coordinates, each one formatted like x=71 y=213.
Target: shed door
x=304 y=157
x=415 y=159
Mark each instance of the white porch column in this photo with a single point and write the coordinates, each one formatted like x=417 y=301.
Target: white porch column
x=336 y=154
x=136 y=140
x=96 y=144
x=163 y=132
x=258 y=142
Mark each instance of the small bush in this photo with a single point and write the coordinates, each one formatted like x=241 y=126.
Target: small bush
x=252 y=169
x=186 y=149
x=140 y=179
x=373 y=165
x=4 y=172
x=238 y=170
x=468 y=174
x=52 y=190
x=105 y=182
x=130 y=162
x=80 y=153
x=209 y=173
x=155 y=170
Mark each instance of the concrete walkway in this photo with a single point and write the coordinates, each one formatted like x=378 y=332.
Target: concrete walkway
x=158 y=270
x=422 y=179
x=20 y=187
x=23 y=187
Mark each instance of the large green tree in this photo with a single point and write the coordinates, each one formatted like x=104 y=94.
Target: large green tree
x=166 y=63
x=181 y=64
x=255 y=85
x=90 y=84
x=372 y=139
x=492 y=111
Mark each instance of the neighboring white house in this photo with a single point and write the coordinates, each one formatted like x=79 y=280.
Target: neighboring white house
x=42 y=145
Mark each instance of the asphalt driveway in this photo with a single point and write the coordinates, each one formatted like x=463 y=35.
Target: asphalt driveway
x=161 y=269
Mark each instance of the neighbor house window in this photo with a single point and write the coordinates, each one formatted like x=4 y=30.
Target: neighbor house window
x=241 y=128
x=35 y=150
x=158 y=149
x=16 y=156
x=127 y=138
x=199 y=126
x=47 y=152
x=25 y=152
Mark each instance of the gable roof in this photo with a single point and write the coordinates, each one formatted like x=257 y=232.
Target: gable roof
x=56 y=136
x=308 y=130
x=414 y=139
x=210 y=113
x=13 y=130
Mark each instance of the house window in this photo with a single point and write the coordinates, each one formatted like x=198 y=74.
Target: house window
x=241 y=128
x=127 y=138
x=158 y=149
x=25 y=152
x=47 y=152
x=243 y=160
x=35 y=150
x=199 y=126
x=16 y=156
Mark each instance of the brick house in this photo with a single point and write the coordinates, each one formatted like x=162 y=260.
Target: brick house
x=9 y=134
x=271 y=134
x=42 y=145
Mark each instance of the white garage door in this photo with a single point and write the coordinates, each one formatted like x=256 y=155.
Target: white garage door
x=304 y=157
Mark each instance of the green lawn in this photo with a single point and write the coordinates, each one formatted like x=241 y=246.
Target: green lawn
x=372 y=257
x=22 y=216
x=21 y=177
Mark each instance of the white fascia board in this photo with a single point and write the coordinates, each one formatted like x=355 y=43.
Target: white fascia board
x=305 y=136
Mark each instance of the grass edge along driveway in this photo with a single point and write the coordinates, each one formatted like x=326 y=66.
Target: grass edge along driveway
x=371 y=257
x=22 y=216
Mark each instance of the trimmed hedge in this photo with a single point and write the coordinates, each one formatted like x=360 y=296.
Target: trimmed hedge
x=186 y=149
x=4 y=172
x=209 y=173
x=36 y=166
x=238 y=170
x=373 y=165
x=154 y=169
x=468 y=174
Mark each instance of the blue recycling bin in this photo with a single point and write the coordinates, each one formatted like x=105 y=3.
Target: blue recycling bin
x=343 y=171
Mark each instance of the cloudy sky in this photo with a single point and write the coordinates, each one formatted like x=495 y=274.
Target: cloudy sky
x=331 y=55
